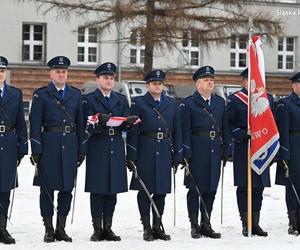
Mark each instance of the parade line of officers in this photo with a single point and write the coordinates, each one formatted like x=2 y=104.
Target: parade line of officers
x=161 y=135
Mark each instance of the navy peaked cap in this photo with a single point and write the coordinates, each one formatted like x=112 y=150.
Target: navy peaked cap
x=59 y=62
x=204 y=71
x=3 y=62
x=155 y=75
x=107 y=68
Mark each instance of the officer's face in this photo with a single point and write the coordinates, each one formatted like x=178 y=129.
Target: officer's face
x=155 y=87
x=205 y=84
x=106 y=82
x=59 y=76
x=245 y=81
x=2 y=75
x=296 y=88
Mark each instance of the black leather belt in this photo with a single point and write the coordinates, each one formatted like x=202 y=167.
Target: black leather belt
x=110 y=132
x=5 y=128
x=60 y=129
x=211 y=134
x=157 y=135
x=295 y=133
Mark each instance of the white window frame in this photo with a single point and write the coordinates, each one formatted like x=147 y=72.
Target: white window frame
x=31 y=42
x=237 y=51
x=86 y=45
x=188 y=50
x=284 y=53
x=138 y=47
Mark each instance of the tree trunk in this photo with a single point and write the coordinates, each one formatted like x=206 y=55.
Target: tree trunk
x=149 y=36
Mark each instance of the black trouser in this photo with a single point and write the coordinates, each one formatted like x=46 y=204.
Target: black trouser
x=242 y=201
x=290 y=199
x=102 y=204
x=144 y=203
x=4 y=203
x=193 y=201
x=64 y=199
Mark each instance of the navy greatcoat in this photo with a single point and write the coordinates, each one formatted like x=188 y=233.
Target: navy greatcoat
x=105 y=163
x=204 y=152
x=236 y=111
x=13 y=142
x=59 y=151
x=155 y=156
x=288 y=123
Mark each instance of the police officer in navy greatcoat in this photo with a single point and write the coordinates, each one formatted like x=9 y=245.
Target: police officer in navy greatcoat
x=205 y=141
x=56 y=135
x=13 y=144
x=288 y=122
x=106 y=174
x=236 y=110
x=155 y=146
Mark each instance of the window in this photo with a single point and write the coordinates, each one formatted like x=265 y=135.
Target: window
x=286 y=53
x=137 y=48
x=191 y=49
x=33 y=42
x=238 y=52
x=87 y=46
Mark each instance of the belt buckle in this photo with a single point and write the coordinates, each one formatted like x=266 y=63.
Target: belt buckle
x=68 y=129
x=2 y=128
x=160 y=135
x=212 y=134
x=111 y=131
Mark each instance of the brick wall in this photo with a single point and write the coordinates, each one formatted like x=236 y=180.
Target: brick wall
x=29 y=79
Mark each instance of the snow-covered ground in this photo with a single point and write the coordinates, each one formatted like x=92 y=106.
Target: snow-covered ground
x=28 y=228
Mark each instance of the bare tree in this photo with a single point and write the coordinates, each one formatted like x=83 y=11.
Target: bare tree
x=162 y=22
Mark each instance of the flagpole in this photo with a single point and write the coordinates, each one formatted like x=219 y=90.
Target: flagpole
x=249 y=187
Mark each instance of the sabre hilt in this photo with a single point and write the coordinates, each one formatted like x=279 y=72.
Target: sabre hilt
x=286 y=169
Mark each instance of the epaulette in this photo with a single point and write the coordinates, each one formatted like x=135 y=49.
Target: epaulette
x=10 y=86
x=120 y=94
x=187 y=97
x=75 y=88
x=171 y=97
x=40 y=88
x=84 y=95
x=137 y=98
x=35 y=92
x=219 y=96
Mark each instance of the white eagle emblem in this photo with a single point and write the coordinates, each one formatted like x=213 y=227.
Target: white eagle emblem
x=157 y=73
x=207 y=70
x=60 y=60
x=259 y=103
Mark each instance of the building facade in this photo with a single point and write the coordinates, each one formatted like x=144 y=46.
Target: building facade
x=30 y=38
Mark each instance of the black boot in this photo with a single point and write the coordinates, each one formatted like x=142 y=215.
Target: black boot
x=108 y=234
x=195 y=228
x=49 y=230
x=98 y=231
x=147 y=235
x=206 y=229
x=157 y=232
x=244 y=218
x=293 y=222
x=256 y=229
x=5 y=237
x=60 y=233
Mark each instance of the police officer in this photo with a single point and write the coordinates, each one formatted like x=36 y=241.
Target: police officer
x=288 y=122
x=237 y=109
x=205 y=141
x=57 y=135
x=106 y=166
x=13 y=144
x=154 y=146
